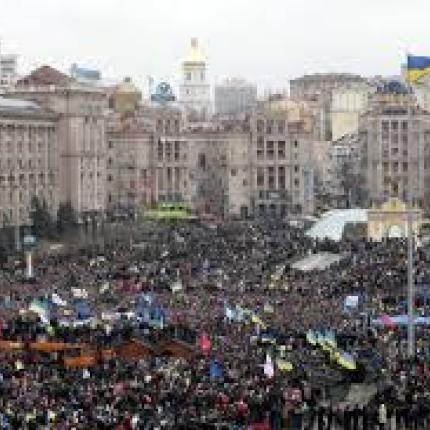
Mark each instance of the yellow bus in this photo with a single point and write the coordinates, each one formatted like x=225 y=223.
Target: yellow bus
x=169 y=212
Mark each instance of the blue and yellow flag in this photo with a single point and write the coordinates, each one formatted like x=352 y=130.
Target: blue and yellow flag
x=284 y=366
x=311 y=337
x=347 y=361
x=255 y=319
x=417 y=68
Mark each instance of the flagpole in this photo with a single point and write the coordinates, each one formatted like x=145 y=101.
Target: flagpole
x=411 y=292
x=410 y=285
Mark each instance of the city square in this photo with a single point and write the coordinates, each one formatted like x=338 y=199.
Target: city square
x=228 y=231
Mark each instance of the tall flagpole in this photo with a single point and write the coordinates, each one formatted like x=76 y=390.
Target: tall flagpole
x=411 y=292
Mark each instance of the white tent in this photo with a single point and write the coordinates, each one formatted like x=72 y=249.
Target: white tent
x=332 y=224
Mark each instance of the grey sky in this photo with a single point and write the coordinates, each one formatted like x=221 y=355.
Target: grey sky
x=265 y=41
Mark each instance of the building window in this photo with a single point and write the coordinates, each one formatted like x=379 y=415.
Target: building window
x=188 y=76
x=160 y=179
x=260 y=177
x=281 y=126
x=281 y=178
x=270 y=150
x=385 y=167
x=176 y=150
x=296 y=144
x=202 y=161
x=233 y=172
x=281 y=149
x=296 y=182
x=260 y=147
x=160 y=151
x=385 y=126
x=109 y=178
x=159 y=126
x=271 y=178
x=260 y=126
x=168 y=148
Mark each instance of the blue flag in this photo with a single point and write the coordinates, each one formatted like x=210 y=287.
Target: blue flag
x=215 y=369
x=82 y=309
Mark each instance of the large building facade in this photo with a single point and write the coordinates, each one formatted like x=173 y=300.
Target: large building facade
x=394 y=138
x=81 y=129
x=347 y=104
x=319 y=88
x=28 y=160
x=8 y=71
x=259 y=166
x=281 y=162
x=234 y=96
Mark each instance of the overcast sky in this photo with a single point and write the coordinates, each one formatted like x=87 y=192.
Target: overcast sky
x=265 y=41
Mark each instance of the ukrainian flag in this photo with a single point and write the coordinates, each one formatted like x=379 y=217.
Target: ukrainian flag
x=311 y=337
x=347 y=361
x=417 y=68
x=284 y=366
x=255 y=319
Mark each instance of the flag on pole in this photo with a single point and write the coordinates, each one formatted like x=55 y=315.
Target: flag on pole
x=40 y=308
x=388 y=322
x=417 y=68
x=57 y=300
x=215 y=369
x=311 y=337
x=330 y=339
x=347 y=361
x=229 y=312
x=269 y=370
x=257 y=320
x=267 y=338
x=204 y=344
x=283 y=365
x=268 y=308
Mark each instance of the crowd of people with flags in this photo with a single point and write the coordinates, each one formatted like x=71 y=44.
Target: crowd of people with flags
x=272 y=347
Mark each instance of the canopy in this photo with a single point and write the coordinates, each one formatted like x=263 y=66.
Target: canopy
x=319 y=261
x=332 y=223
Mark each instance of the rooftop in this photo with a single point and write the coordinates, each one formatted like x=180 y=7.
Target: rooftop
x=45 y=75
x=196 y=54
x=18 y=105
x=332 y=223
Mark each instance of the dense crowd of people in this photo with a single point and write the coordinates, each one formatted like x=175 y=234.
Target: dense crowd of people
x=258 y=371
